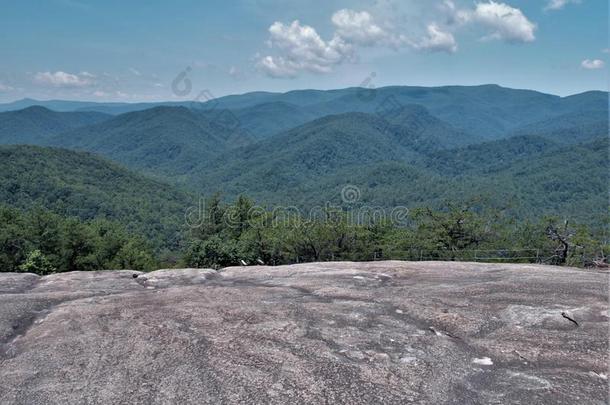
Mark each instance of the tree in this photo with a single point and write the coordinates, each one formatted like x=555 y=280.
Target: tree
x=238 y=216
x=456 y=229
x=134 y=256
x=213 y=218
x=12 y=239
x=41 y=241
x=212 y=252
x=562 y=236
x=37 y=263
x=574 y=245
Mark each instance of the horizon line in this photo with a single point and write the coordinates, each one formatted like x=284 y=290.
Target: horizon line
x=186 y=99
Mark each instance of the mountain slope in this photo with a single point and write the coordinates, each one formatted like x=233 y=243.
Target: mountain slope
x=165 y=141
x=266 y=119
x=33 y=125
x=570 y=128
x=525 y=176
x=488 y=157
x=84 y=185
x=568 y=181
x=325 y=145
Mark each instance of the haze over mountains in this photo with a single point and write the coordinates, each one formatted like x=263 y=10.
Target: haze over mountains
x=524 y=151
x=35 y=124
x=488 y=108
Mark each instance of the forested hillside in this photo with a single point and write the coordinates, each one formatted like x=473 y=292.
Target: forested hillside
x=571 y=128
x=164 y=141
x=82 y=185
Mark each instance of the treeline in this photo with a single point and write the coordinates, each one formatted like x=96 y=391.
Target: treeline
x=39 y=241
x=241 y=233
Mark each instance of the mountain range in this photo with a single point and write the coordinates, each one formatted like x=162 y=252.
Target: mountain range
x=488 y=110
x=524 y=152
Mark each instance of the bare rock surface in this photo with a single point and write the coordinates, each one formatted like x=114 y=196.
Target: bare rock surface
x=353 y=333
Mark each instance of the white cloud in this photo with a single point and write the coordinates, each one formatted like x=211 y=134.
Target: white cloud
x=236 y=73
x=302 y=49
x=5 y=87
x=277 y=67
x=135 y=71
x=454 y=15
x=299 y=48
x=592 y=64
x=606 y=50
x=437 y=40
x=506 y=23
x=358 y=27
x=63 y=79
x=559 y=4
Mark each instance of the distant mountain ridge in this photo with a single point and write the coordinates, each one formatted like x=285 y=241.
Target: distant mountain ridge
x=488 y=110
x=164 y=141
x=33 y=125
x=111 y=108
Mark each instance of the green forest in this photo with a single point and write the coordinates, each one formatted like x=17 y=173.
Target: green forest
x=242 y=233
x=39 y=241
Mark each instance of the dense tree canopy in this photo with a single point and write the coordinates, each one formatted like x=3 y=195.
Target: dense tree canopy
x=42 y=242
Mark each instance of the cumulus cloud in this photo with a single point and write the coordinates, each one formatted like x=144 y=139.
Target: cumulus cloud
x=437 y=40
x=505 y=22
x=302 y=49
x=299 y=48
x=453 y=15
x=559 y=4
x=593 y=64
x=358 y=27
x=63 y=79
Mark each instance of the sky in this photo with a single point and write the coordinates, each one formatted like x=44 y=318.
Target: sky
x=160 y=50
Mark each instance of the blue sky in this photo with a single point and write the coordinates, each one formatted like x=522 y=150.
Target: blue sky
x=133 y=50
